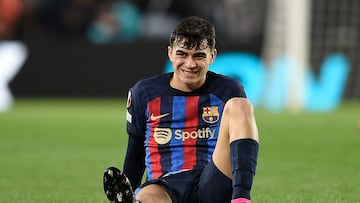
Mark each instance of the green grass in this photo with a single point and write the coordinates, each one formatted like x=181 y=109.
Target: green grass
x=309 y=157
x=55 y=150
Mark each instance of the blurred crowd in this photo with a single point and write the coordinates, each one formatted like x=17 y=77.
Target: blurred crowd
x=109 y=21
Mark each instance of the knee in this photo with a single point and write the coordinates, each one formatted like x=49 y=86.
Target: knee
x=240 y=119
x=239 y=107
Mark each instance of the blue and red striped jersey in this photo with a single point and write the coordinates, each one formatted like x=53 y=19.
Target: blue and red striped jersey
x=178 y=129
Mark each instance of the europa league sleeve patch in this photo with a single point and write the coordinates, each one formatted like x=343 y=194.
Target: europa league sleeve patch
x=129 y=99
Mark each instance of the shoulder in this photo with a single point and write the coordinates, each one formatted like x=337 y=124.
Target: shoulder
x=224 y=85
x=150 y=87
x=222 y=80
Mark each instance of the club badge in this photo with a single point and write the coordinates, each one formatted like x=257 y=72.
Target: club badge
x=210 y=114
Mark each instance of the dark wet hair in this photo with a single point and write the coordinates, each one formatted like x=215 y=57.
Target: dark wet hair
x=191 y=33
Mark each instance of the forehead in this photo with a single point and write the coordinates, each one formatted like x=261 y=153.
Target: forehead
x=199 y=44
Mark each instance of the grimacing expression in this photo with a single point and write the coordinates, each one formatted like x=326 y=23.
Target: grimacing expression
x=190 y=65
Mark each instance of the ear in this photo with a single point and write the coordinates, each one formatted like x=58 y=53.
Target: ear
x=213 y=56
x=170 y=50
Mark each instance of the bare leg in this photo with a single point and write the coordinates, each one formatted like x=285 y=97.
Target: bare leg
x=153 y=194
x=238 y=122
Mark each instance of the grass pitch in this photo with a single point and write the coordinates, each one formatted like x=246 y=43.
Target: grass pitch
x=55 y=150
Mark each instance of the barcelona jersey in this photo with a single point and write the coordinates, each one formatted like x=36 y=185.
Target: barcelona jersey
x=178 y=129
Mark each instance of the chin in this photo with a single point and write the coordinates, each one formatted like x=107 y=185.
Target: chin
x=192 y=83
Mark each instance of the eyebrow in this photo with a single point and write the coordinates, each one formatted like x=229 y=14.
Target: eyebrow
x=201 y=53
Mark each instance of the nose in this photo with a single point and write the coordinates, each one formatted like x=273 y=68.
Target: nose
x=190 y=62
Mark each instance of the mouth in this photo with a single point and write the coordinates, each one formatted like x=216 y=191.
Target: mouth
x=189 y=72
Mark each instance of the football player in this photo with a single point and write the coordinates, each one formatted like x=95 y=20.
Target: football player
x=192 y=131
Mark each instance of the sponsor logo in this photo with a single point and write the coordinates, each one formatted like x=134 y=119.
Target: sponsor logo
x=204 y=133
x=210 y=114
x=154 y=118
x=164 y=135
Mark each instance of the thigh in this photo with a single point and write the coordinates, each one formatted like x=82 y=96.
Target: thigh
x=214 y=186
x=153 y=193
x=181 y=187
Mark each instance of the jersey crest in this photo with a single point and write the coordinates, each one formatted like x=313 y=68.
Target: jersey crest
x=210 y=114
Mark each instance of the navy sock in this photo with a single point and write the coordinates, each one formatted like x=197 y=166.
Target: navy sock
x=243 y=156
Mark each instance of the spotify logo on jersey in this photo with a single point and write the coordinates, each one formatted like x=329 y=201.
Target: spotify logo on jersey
x=162 y=135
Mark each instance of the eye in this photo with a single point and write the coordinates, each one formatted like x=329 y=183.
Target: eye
x=180 y=54
x=200 y=56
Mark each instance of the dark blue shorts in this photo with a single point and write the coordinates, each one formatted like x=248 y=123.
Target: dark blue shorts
x=204 y=186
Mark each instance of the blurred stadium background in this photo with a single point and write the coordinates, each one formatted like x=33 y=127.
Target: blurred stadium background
x=83 y=47
x=68 y=65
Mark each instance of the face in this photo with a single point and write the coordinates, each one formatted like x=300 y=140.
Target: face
x=190 y=67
